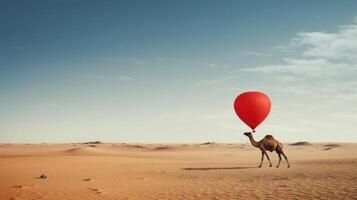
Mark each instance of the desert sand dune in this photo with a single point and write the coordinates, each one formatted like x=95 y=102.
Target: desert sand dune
x=175 y=171
x=301 y=144
x=331 y=146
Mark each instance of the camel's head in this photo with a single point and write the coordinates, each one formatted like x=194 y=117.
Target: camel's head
x=248 y=134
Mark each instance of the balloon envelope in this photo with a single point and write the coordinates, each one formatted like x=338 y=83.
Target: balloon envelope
x=252 y=108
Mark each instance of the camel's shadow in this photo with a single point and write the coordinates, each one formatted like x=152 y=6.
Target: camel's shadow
x=216 y=168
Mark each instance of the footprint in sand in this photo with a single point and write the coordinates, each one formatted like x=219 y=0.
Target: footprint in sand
x=95 y=190
x=42 y=176
x=87 y=179
x=21 y=194
x=23 y=186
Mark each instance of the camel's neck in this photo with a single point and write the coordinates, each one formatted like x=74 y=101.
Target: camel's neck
x=253 y=142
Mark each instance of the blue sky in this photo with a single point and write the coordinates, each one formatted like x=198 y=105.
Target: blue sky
x=169 y=71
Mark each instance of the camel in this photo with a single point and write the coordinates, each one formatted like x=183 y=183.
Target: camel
x=268 y=143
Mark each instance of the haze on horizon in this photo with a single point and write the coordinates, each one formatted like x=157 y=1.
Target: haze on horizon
x=169 y=71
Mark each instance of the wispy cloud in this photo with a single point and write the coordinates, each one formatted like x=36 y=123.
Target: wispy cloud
x=254 y=53
x=283 y=48
x=324 y=67
x=323 y=55
x=319 y=67
x=339 y=45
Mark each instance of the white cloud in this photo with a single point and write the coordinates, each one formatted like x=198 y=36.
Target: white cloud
x=316 y=83
x=253 y=53
x=326 y=67
x=319 y=67
x=339 y=45
x=331 y=92
x=324 y=55
x=282 y=48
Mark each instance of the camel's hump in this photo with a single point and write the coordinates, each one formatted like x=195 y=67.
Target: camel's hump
x=269 y=137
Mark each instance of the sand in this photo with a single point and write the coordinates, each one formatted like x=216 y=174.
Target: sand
x=175 y=171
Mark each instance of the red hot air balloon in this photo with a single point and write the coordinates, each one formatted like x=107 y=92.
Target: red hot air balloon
x=252 y=108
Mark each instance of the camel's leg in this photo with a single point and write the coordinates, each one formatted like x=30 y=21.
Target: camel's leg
x=285 y=158
x=261 y=161
x=279 y=159
x=270 y=165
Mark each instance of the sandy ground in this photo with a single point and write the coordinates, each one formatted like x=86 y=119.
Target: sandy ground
x=175 y=171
